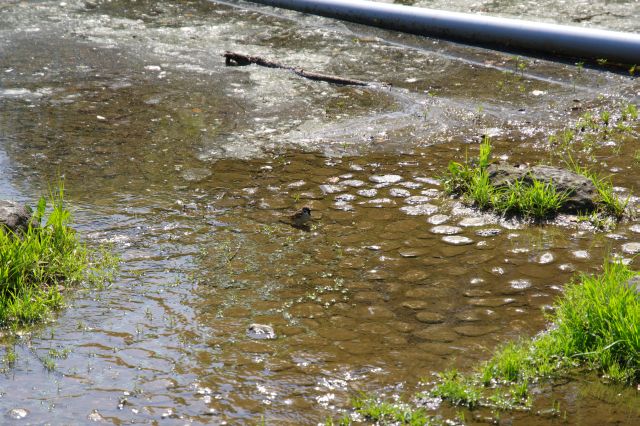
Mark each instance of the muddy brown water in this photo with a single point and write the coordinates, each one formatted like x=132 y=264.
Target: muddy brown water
x=187 y=167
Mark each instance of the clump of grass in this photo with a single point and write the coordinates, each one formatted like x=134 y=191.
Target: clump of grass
x=384 y=412
x=609 y=203
x=598 y=322
x=596 y=325
x=37 y=264
x=525 y=197
x=457 y=389
x=537 y=199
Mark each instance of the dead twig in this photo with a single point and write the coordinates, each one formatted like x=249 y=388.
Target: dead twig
x=239 y=59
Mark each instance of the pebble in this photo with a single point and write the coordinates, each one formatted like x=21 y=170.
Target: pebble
x=472 y=221
x=354 y=183
x=457 y=240
x=261 y=331
x=580 y=254
x=631 y=248
x=385 y=178
x=490 y=232
x=546 y=258
x=520 y=284
x=420 y=209
x=18 y=413
x=438 y=219
x=95 y=416
x=446 y=230
x=417 y=199
x=635 y=228
x=431 y=192
x=345 y=197
x=430 y=317
x=399 y=192
x=411 y=185
x=367 y=192
x=428 y=180
x=331 y=189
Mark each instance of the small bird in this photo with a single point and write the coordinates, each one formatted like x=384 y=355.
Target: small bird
x=300 y=218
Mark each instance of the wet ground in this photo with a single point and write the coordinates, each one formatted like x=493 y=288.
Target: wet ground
x=187 y=167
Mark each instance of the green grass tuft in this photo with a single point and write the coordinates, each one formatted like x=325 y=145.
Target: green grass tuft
x=383 y=412
x=36 y=265
x=537 y=199
x=596 y=326
x=457 y=389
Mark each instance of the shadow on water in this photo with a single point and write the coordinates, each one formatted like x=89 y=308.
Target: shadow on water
x=187 y=167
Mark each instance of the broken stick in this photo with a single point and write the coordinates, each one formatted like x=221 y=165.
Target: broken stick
x=239 y=59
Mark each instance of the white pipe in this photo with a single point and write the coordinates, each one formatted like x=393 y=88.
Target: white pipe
x=551 y=39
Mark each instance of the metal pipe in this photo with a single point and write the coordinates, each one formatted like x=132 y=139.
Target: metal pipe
x=550 y=39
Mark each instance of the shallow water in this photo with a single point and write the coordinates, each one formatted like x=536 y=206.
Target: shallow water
x=187 y=167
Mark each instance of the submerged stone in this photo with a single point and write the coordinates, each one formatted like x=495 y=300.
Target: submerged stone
x=631 y=248
x=420 y=209
x=438 y=219
x=446 y=230
x=490 y=232
x=457 y=240
x=430 y=317
x=385 y=178
x=17 y=413
x=261 y=331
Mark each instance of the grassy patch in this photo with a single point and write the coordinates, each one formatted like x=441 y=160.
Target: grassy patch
x=609 y=202
x=457 y=389
x=596 y=325
x=537 y=199
x=384 y=412
x=35 y=266
x=526 y=197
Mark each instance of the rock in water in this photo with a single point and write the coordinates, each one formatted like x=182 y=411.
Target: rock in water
x=261 y=331
x=14 y=216
x=582 y=192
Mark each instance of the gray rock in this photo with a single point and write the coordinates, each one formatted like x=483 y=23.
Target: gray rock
x=634 y=284
x=18 y=413
x=261 y=331
x=14 y=216
x=582 y=192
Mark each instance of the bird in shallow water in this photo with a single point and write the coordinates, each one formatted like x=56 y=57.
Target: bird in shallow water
x=300 y=219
